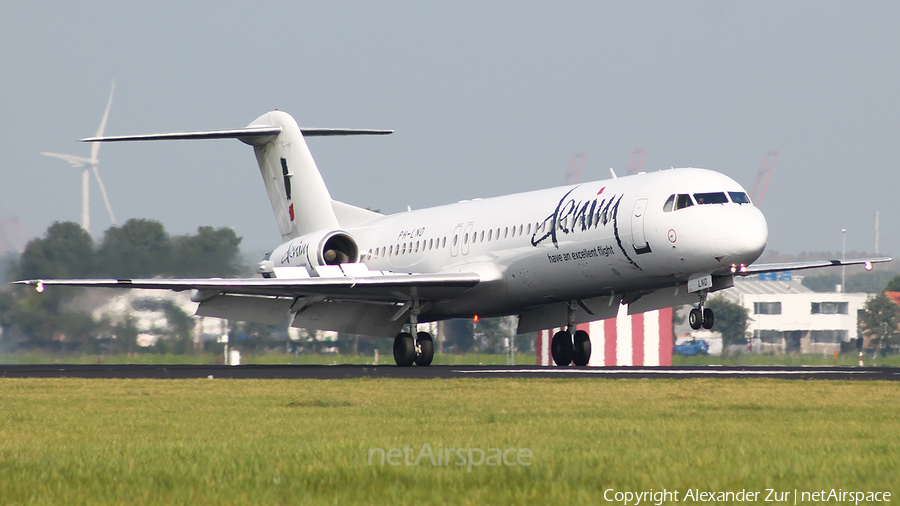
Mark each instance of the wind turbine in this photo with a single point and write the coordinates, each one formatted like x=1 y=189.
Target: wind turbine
x=90 y=164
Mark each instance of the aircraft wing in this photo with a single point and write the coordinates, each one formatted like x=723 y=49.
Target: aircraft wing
x=812 y=264
x=390 y=287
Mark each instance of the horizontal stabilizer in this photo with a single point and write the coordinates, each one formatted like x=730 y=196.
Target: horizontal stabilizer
x=327 y=132
x=255 y=136
x=250 y=135
x=812 y=264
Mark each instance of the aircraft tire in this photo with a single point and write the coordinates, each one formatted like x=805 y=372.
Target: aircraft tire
x=582 y=352
x=708 y=318
x=561 y=348
x=404 y=349
x=426 y=349
x=695 y=319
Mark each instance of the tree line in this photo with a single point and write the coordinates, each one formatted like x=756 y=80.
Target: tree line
x=138 y=248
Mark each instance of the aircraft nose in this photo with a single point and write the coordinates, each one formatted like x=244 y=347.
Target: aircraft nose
x=755 y=234
x=741 y=237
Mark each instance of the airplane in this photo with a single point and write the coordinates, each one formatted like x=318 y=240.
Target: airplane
x=555 y=257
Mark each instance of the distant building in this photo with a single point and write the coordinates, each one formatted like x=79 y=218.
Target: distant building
x=787 y=317
x=642 y=339
x=147 y=308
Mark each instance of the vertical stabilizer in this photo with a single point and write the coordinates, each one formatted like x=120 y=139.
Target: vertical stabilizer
x=298 y=195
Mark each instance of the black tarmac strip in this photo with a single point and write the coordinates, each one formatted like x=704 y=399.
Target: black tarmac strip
x=440 y=371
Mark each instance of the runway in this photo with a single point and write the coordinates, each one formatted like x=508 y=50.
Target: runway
x=331 y=372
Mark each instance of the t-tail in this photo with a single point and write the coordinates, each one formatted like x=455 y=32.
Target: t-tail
x=297 y=192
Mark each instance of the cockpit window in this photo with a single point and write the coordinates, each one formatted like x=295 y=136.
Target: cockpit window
x=711 y=198
x=739 y=197
x=683 y=201
x=669 y=203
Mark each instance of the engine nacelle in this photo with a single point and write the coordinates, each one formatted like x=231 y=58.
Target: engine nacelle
x=311 y=251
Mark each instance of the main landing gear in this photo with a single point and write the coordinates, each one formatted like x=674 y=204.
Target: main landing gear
x=567 y=348
x=700 y=316
x=408 y=349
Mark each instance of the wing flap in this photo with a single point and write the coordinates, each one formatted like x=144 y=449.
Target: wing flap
x=370 y=319
x=265 y=310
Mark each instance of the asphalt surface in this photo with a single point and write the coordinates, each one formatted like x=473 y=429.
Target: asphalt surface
x=439 y=371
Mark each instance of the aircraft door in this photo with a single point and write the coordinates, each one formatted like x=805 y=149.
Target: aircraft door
x=641 y=245
x=467 y=238
x=454 y=242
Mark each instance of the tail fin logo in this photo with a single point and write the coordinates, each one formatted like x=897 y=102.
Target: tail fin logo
x=287 y=182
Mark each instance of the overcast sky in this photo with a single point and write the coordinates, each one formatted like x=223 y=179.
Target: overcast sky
x=486 y=98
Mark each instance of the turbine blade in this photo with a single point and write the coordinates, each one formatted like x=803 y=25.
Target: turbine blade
x=95 y=147
x=85 y=199
x=105 y=198
x=76 y=161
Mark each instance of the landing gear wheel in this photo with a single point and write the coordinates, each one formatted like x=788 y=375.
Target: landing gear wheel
x=695 y=319
x=404 y=349
x=582 y=352
x=424 y=349
x=561 y=348
x=708 y=318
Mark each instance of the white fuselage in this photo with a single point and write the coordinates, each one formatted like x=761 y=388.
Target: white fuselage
x=574 y=242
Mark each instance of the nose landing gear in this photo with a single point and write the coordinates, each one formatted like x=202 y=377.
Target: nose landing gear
x=700 y=316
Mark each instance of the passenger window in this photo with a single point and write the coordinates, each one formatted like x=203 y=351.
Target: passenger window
x=528 y=231
x=739 y=197
x=683 y=201
x=711 y=198
x=670 y=202
x=482 y=236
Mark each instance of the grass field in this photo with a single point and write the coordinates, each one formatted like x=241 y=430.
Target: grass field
x=68 y=441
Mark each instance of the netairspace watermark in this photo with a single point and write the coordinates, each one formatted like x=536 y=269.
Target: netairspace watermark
x=768 y=495
x=440 y=456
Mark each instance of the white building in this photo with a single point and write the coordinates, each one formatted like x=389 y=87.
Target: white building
x=788 y=317
x=146 y=307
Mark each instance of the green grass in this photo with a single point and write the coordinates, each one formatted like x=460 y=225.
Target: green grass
x=746 y=359
x=69 y=441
